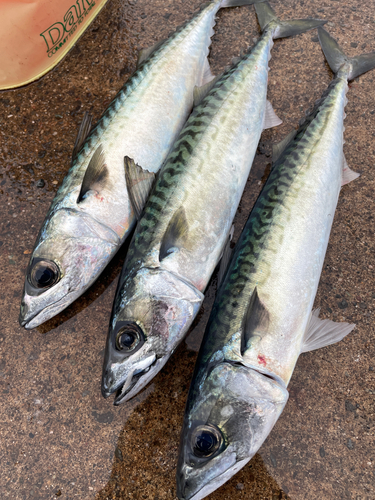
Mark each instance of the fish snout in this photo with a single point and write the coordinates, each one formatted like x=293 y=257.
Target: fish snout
x=108 y=383
x=25 y=315
x=21 y=317
x=183 y=485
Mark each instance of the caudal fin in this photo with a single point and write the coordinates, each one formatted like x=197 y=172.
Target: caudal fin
x=237 y=3
x=267 y=16
x=337 y=58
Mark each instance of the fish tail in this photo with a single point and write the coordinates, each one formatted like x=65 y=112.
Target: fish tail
x=337 y=59
x=266 y=15
x=237 y=3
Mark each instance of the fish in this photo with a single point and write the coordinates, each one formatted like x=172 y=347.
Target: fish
x=262 y=318
x=185 y=227
x=92 y=214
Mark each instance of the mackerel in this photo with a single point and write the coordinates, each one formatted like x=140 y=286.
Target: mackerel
x=92 y=215
x=186 y=223
x=262 y=320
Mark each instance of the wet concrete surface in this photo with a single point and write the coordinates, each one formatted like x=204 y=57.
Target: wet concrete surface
x=59 y=437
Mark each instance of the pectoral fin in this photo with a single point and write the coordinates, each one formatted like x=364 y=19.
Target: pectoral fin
x=256 y=323
x=138 y=183
x=175 y=237
x=96 y=175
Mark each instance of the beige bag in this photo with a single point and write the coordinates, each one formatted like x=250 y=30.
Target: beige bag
x=36 y=34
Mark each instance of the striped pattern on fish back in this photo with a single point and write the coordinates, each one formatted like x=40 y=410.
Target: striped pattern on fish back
x=169 y=177
x=147 y=66
x=175 y=166
x=232 y=299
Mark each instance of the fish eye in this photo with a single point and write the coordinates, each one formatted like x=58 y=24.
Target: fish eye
x=128 y=337
x=44 y=274
x=206 y=440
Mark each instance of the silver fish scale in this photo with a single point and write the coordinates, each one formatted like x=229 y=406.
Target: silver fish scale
x=150 y=109
x=149 y=68
x=196 y=148
x=295 y=178
x=186 y=222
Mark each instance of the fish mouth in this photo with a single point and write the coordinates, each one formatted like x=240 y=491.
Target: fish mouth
x=186 y=492
x=132 y=385
x=32 y=321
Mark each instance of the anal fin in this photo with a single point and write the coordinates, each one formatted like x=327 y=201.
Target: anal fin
x=348 y=175
x=323 y=332
x=207 y=73
x=270 y=117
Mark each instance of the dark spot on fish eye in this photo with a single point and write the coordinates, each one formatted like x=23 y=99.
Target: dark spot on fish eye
x=127 y=340
x=128 y=337
x=44 y=274
x=206 y=440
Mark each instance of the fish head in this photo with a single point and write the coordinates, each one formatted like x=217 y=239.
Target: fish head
x=228 y=416
x=152 y=312
x=71 y=251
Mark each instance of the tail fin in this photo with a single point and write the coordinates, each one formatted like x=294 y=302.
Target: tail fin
x=336 y=57
x=237 y=3
x=266 y=15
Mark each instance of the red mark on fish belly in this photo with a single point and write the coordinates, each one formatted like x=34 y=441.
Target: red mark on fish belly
x=262 y=359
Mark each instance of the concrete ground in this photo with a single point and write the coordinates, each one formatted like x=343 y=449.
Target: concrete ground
x=59 y=437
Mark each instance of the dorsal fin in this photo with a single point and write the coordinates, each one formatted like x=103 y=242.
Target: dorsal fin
x=176 y=234
x=83 y=133
x=256 y=321
x=225 y=258
x=201 y=92
x=96 y=175
x=236 y=60
x=145 y=53
x=138 y=183
x=323 y=332
x=277 y=149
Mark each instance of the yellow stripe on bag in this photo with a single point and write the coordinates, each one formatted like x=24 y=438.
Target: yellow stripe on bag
x=36 y=35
